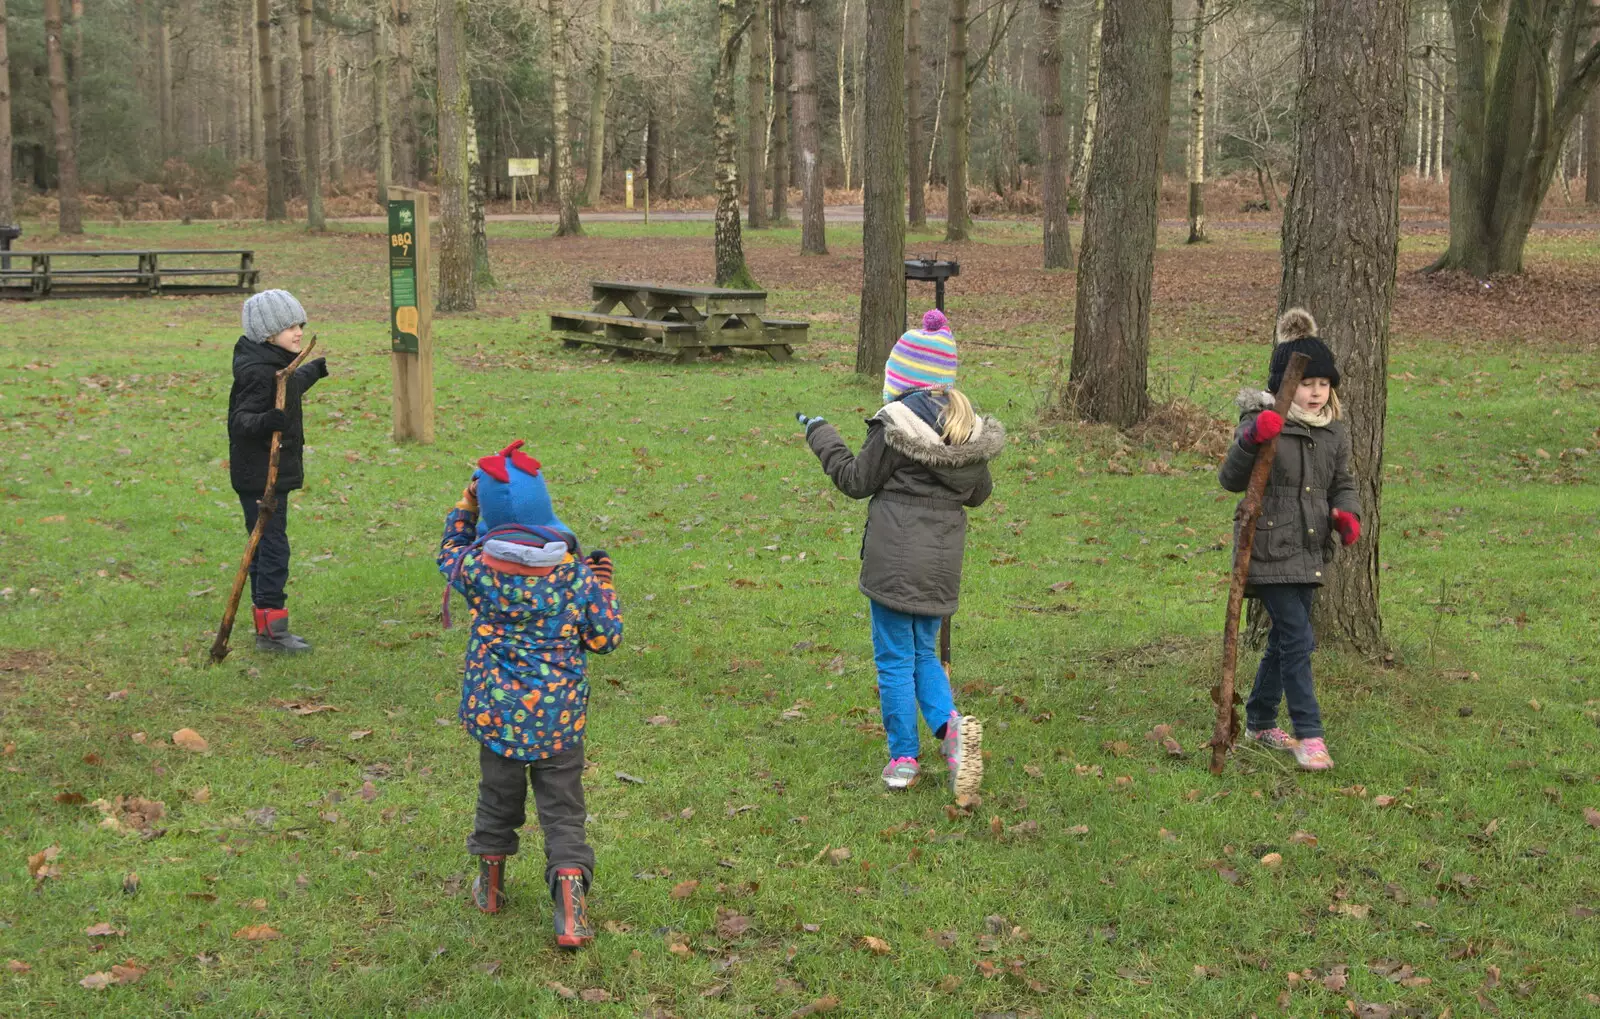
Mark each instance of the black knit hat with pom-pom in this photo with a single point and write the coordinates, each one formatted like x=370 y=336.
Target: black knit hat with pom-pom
x=1297 y=334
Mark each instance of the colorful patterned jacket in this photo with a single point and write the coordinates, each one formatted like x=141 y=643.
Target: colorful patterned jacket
x=525 y=692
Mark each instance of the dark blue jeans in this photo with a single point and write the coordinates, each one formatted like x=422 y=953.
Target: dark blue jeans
x=269 y=570
x=1285 y=672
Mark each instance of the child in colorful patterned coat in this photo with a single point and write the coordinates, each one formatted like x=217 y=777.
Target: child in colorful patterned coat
x=537 y=611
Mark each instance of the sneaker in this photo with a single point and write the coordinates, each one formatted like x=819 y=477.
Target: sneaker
x=901 y=773
x=1272 y=739
x=1312 y=754
x=572 y=910
x=963 y=753
x=488 y=888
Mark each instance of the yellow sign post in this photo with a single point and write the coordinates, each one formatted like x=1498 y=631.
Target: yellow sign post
x=628 y=177
x=411 y=314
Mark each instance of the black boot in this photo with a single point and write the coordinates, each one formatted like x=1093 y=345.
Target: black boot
x=572 y=911
x=272 y=632
x=489 y=887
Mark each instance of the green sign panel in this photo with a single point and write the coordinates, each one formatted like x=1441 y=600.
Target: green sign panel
x=403 y=314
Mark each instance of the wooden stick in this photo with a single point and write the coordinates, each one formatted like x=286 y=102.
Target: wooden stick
x=269 y=506
x=1227 y=727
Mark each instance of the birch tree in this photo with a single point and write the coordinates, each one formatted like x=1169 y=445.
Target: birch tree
x=567 y=224
x=731 y=268
x=1091 y=106
x=1197 y=124
x=599 y=95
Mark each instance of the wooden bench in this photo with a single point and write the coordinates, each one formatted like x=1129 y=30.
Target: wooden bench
x=678 y=321
x=146 y=276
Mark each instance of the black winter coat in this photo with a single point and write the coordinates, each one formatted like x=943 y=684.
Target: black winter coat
x=1310 y=477
x=916 y=530
x=255 y=369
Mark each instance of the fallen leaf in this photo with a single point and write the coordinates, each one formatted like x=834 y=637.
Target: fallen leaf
x=201 y=795
x=659 y=720
x=360 y=734
x=821 y=1005
x=678 y=944
x=17 y=966
x=1033 y=771
x=188 y=739
x=1336 y=978
x=1303 y=838
x=595 y=995
x=838 y=855
x=562 y=990
x=945 y=938
x=127 y=972
x=70 y=799
x=117 y=695
x=1272 y=861
x=130 y=883
x=103 y=930
x=731 y=924
x=1383 y=801
x=1078 y=829
x=257 y=932
x=1350 y=909
x=97 y=981
x=369 y=792
x=42 y=865
x=684 y=889
x=877 y=946
x=623 y=776
x=1592 y=816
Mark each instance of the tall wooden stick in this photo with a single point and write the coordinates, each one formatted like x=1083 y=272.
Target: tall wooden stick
x=269 y=506
x=1227 y=727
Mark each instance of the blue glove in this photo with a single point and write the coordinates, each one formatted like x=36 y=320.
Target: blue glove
x=807 y=422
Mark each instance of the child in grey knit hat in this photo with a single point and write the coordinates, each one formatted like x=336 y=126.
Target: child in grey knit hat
x=273 y=323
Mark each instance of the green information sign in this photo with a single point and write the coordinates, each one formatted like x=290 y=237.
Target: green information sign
x=403 y=315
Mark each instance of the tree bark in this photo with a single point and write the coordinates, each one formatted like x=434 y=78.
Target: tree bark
x=598 y=97
x=169 y=130
x=1591 y=143
x=410 y=166
x=957 y=223
x=918 y=185
x=1522 y=79
x=457 y=291
x=842 y=51
x=1052 y=110
x=286 y=122
x=731 y=268
x=1111 y=339
x=335 y=127
x=310 y=106
x=1197 y=125
x=8 y=212
x=1341 y=231
x=1091 y=106
x=883 y=184
x=477 y=194
x=755 y=155
x=567 y=224
x=813 y=230
x=271 y=125
x=77 y=75
x=780 y=113
x=380 y=100
x=71 y=219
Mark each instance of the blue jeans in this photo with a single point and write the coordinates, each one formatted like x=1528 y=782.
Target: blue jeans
x=1285 y=672
x=906 y=649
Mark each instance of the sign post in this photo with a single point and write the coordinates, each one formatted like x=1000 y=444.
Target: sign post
x=521 y=168
x=628 y=177
x=411 y=314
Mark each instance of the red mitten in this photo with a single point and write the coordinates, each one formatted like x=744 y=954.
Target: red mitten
x=1348 y=525
x=1266 y=427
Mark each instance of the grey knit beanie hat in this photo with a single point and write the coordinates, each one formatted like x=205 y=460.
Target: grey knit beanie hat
x=269 y=313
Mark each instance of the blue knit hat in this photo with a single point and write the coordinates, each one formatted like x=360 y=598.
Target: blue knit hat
x=511 y=490
x=269 y=313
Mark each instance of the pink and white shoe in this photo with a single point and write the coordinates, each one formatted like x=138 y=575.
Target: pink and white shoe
x=1272 y=739
x=901 y=773
x=1312 y=754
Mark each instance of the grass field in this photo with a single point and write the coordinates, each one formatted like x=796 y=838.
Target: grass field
x=1449 y=864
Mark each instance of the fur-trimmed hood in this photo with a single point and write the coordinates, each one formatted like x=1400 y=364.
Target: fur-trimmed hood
x=907 y=433
x=1252 y=399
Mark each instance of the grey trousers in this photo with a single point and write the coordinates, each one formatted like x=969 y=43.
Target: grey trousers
x=557 y=796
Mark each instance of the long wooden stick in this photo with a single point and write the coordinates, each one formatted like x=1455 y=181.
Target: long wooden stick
x=269 y=506
x=1227 y=727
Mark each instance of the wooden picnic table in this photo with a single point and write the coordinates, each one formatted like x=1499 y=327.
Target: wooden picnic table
x=677 y=320
x=141 y=273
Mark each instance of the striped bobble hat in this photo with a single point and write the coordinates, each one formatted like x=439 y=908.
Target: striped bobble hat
x=921 y=358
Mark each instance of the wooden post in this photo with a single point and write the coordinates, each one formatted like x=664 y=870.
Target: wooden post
x=647 y=201
x=1226 y=730
x=411 y=314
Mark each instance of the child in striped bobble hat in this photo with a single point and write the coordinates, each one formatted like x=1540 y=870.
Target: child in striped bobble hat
x=921 y=359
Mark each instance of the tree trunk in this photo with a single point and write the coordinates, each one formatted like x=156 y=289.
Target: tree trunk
x=169 y=130
x=270 y=124
x=844 y=106
x=335 y=128
x=915 y=135
x=1197 y=125
x=8 y=212
x=71 y=221
x=1341 y=243
x=78 y=70
x=813 y=231
x=456 y=263
x=1111 y=338
x=1520 y=85
x=310 y=106
x=1591 y=140
x=380 y=100
x=567 y=224
x=883 y=185
x=957 y=223
x=252 y=69
x=731 y=269
x=755 y=149
x=482 y=271
x=598 y=97
x=780 y=113
x=410 y=167
x=1091 y=106
x=1057 y=238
